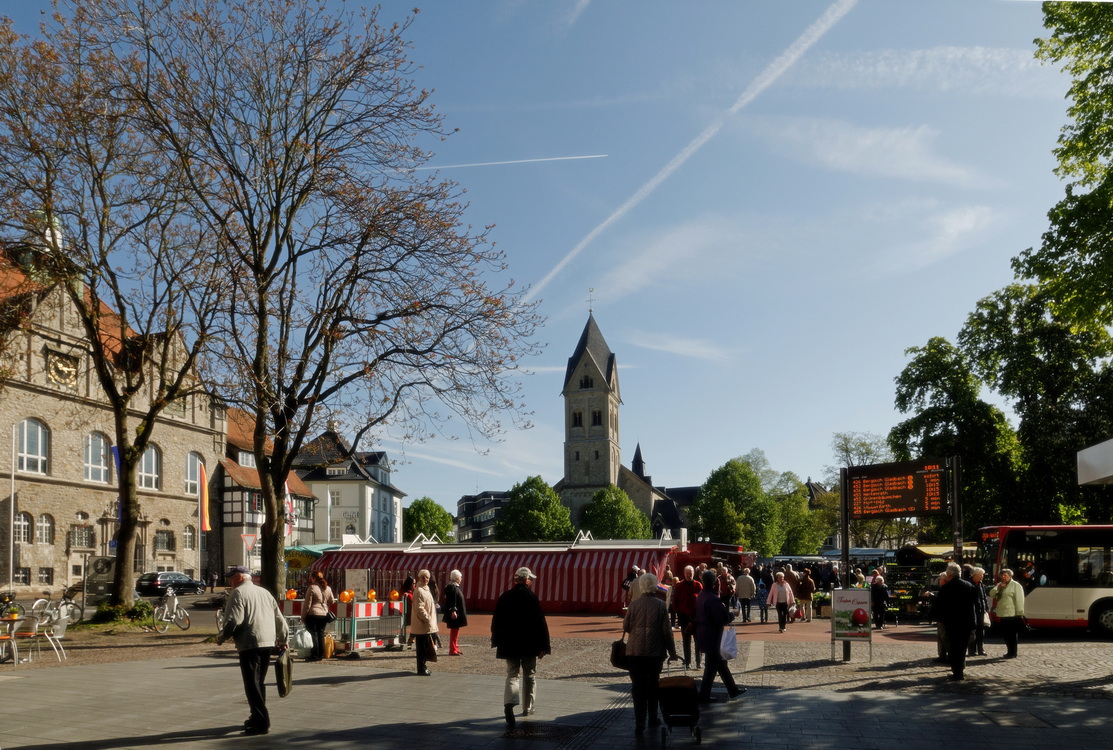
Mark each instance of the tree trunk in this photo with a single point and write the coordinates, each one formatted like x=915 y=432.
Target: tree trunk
x=123 y=582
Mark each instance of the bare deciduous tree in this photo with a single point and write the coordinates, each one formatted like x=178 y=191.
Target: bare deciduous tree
x=355 y=286
x=89 y=204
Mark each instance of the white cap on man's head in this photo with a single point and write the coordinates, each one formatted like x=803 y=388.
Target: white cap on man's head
x=522 y=574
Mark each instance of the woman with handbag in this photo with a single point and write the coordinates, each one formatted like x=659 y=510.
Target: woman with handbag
x=647 y=622
x=1008 y=603
x=315 y=612
x=455 y=611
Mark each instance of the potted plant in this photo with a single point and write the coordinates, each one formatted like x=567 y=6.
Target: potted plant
x=821 y=602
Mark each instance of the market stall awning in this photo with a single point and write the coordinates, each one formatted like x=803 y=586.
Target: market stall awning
x=568 y=580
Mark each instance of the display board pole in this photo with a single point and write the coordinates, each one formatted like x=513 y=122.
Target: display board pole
x=955 y=465
x=844 y=484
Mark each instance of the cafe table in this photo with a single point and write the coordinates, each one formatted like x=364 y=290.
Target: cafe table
x=12 y=649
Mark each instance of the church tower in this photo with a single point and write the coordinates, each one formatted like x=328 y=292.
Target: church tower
x=592 y=459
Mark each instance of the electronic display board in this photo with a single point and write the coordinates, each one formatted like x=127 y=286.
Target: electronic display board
x=908 y=488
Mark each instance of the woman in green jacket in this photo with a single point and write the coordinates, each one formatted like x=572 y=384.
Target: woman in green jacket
x=1008 y=603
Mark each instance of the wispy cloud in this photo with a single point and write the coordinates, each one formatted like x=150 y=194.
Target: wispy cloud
x=981 y=71
x=681 y=346
x=944 y=234
x=764 y=80
x=905 y=153
x=511 y=161
x=671 y=255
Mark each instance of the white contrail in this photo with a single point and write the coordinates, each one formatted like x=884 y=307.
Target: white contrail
x=513 y=161
x=767 y=77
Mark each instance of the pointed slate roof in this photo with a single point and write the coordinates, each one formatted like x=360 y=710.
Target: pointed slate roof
x=594 y=345
x=638 y=465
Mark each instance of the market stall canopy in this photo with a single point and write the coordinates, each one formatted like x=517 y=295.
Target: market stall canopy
x=585 y=577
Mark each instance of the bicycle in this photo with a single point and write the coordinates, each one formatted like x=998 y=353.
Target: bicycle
x=167 y=611
x=49 y=611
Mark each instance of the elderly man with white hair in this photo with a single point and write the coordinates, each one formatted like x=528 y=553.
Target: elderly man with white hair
x=955 y=610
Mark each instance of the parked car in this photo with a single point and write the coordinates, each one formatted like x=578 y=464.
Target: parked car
x=155 y=584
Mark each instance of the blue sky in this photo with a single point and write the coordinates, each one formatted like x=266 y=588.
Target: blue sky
x=771 y=202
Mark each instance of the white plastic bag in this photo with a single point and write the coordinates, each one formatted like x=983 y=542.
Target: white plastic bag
x=301 y=642
x=728 y=646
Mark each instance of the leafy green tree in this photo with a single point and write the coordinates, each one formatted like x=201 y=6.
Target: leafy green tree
x=426 y=516
x=1075 y=259
x=534 y=513
x=1056 y=376
x=611 y=514
x=805 y=528
x=732 y=507
x=801 y=528
x=949 y=418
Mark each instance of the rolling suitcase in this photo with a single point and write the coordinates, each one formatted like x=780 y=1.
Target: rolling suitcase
x=679 y=702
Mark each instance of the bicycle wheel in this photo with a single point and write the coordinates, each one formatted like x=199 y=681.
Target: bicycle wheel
x=40 y=608
x=181 y=618
x=20 y=610
x=162 y=619
x=72 y=611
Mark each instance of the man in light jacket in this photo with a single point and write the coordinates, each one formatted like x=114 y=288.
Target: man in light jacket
x=747 y=590
x=252 y=618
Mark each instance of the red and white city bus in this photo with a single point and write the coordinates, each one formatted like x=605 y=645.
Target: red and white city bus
x=1066 y=572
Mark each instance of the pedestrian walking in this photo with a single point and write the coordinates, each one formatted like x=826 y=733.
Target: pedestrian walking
x=423 y=621
x=781 y=599
x=520 y=635
x=684 y=602
x=746 y=590
x=805 y=590
x=711 y=617
x=253 y=619
x=455 y=611
x=762 y=601
x=1008 y=603
x=650 y=642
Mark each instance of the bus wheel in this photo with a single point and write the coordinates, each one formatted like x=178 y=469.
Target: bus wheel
x=1101 y=618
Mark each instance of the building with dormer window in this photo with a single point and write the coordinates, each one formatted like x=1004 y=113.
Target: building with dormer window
x=357 y=497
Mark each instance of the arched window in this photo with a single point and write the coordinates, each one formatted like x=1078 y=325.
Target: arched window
x=44 y=530
x=193 y=475
x=22 y=527
x=189 y=534
x=586 y=382
x=96 y=458
x=164 y=540
x=150 y=469
x=34 y=446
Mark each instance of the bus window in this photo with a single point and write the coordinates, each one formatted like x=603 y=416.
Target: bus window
x=1095 y=566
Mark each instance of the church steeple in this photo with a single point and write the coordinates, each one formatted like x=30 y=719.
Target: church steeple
x=592 y=457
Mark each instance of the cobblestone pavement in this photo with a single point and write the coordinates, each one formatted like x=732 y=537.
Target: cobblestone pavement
x=1043 y=699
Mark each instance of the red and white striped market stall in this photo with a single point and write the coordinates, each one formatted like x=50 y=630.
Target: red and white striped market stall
x=584 y=577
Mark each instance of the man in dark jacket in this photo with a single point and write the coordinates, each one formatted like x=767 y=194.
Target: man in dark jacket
x=954 y=607
x=520 y=634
